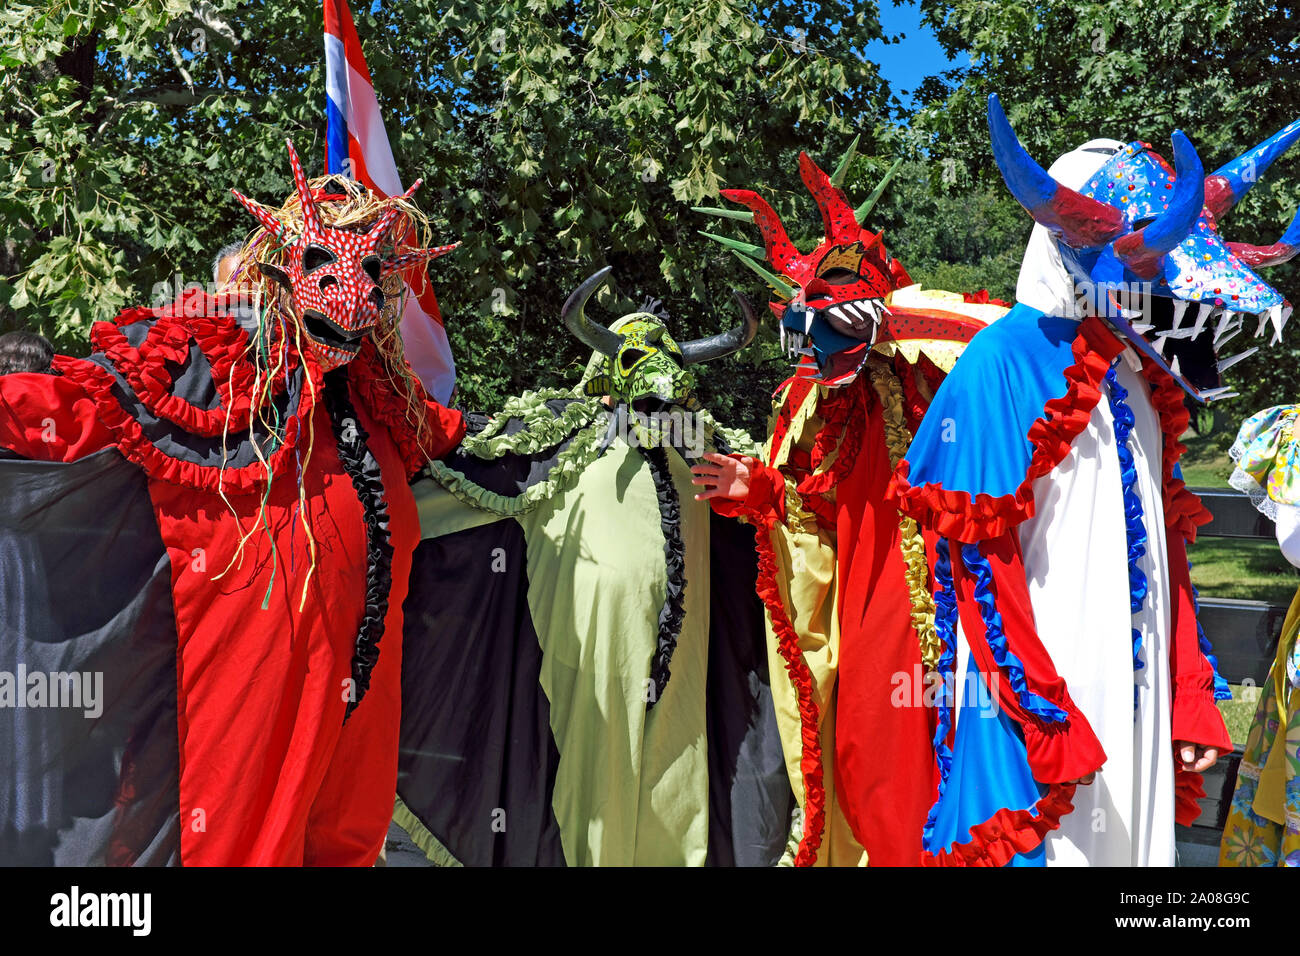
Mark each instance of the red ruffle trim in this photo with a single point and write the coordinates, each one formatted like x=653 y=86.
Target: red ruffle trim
x=810 y=761
x=764 y=505
x=1008 y=832
x=222 y=342
x=844 y=417
x=955 y=514
x=1188 y=793
x=421 y=428
x=131 y=441
x=1184 y=512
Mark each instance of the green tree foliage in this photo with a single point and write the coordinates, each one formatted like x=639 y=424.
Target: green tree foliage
x=558 y=137
x=553 y=137
x=1071 y=70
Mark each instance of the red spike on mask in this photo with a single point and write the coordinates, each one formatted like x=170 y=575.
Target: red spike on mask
x=262 y=215
x=310 y=217
x=379 y=230
x=780 y=250
x=398 y=263
x=838 y=220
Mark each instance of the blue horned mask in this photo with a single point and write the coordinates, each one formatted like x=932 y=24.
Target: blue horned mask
x=1141 y=242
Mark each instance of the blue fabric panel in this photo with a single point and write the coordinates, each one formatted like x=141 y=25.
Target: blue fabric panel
x=974 y=438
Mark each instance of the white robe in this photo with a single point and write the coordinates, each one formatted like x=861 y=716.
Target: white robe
x=1075 y=552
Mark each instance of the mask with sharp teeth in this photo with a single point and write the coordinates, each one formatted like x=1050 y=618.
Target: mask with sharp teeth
x=1141 y=242
x=336 y=276
x=830 y=301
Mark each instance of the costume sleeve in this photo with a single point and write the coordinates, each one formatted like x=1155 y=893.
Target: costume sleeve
x=1196 y=717
x=764 y=505
x=448 y=429
x=48 y=418
x=998 y=621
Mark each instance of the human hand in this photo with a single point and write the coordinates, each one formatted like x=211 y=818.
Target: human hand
x=1195 y=757
x=722 y=476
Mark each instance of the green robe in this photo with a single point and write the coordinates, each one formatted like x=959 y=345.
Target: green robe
x=619 y=783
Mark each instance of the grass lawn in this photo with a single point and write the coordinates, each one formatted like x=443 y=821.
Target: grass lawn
x=1238 y=712
x=1231 y=567
x=1206 y=464
x=1241 y=569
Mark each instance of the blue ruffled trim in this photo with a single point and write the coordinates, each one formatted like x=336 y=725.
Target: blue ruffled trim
x=945 y=626
x=978 y=565
x=1221 y=689
x=1134 y=528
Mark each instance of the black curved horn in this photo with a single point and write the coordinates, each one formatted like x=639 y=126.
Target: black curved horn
x=575 y=317
x=724 y=343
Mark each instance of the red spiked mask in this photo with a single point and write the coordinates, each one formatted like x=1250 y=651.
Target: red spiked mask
x=831 y=298
x=335 y=275
x=850 y=263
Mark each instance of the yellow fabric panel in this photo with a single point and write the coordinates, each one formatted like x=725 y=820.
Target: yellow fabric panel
x=806 y=576
x=632 y=786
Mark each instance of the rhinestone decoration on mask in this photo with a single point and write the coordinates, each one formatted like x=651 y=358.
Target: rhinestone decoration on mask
x=1141 y=242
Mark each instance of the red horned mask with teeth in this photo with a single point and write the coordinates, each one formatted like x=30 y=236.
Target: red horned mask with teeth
x=335 y=276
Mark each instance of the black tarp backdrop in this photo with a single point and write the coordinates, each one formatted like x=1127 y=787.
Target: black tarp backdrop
x=85 y=591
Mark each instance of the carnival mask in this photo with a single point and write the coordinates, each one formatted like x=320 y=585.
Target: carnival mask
x=1141 y=242
x=334 y=275
x=831 y=300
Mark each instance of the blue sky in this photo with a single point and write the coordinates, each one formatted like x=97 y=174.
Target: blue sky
x=906 y=64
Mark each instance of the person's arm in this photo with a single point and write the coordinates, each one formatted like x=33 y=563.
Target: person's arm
x=1199 y=734
x=741 y=486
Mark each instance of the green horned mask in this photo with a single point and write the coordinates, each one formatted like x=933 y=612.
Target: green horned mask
x=646 y=369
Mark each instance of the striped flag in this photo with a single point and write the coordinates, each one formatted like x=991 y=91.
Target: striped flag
x=356 y=146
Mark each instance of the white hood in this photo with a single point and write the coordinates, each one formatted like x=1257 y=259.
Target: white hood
x=1044 y=282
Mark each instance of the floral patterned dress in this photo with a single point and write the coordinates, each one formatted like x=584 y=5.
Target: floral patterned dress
x=1263 y=826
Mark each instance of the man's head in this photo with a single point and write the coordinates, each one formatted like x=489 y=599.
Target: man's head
x=224 y=264
x=331 y=249
x=25 y=352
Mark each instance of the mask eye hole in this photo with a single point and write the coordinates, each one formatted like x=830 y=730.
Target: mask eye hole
x=628 y=358
x=371 y=265
x=840 y=276
x=314 y=257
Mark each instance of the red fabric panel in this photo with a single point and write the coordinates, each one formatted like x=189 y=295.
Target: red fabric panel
x=48 y=418
x=1196 y=716
x=1057 y=752
x=269 y=775
x=885 y=772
